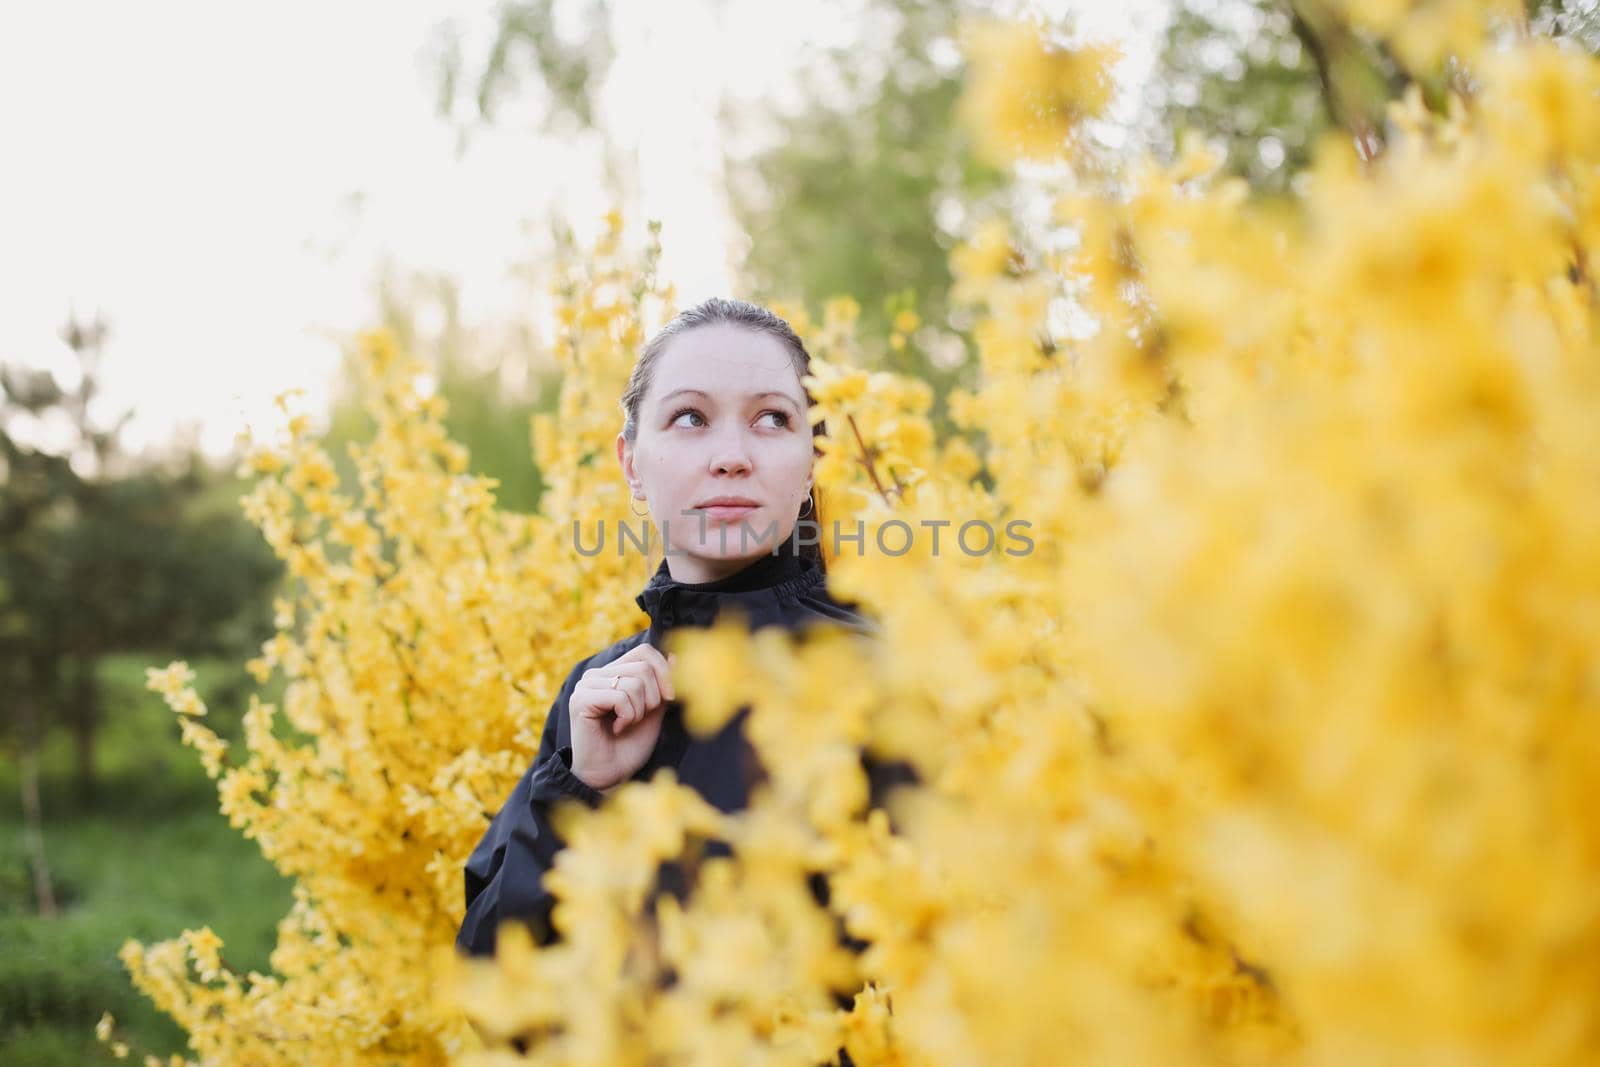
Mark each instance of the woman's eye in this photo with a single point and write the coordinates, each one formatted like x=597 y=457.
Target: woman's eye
x=782 y=417
x=686 y=411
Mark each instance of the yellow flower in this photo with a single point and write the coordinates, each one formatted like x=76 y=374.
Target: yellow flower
x=379 y=349
x=839 y=315
x=1258 y=753
x=264 y=461
x=980 y=259
x=170 y=680
x=1025 y=97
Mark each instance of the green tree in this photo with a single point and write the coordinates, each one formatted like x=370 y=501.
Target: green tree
x=1266 y=78
x=862 y=189
x=493 y=379
x=103 y=553
x=1235 y=71
x=528 y=55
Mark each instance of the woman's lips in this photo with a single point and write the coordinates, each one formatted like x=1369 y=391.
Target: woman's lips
x=728 y=512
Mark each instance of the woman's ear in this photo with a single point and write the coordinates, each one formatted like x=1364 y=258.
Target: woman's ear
x=625 y=461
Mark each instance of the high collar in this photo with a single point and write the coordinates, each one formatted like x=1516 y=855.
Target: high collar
x=762 y=589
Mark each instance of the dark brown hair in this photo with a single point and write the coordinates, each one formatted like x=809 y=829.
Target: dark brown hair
x=715 y=311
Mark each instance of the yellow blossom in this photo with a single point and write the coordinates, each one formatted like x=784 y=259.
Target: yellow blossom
x=1025 y=96
x=1274 y=745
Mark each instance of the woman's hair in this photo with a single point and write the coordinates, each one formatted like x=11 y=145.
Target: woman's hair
x=742 y=313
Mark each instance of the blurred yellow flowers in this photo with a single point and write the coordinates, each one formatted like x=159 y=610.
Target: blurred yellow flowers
x=1280 y=747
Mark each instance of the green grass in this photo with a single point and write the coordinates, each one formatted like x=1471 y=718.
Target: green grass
x=146 y=856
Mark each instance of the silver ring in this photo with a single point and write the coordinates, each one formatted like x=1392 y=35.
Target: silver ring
x=613 y=681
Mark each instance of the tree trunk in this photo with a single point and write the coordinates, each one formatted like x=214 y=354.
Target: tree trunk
x=32 y=810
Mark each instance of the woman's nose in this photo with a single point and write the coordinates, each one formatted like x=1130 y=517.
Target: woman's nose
x=730 y=464
x=730 y=456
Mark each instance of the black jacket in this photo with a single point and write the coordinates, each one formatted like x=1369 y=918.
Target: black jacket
x=504 y=874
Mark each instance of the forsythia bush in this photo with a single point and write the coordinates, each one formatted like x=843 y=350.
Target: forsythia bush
x=427 y=636
x=1276 y=747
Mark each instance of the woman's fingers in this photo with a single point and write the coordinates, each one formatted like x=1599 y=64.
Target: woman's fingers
x=665 y=670
x=631 y=687
x=642 y=692
x=655 y=666
x=650 y=685
x=659 y=667
x=633 y=710
x=601 y=695
x=631 y=698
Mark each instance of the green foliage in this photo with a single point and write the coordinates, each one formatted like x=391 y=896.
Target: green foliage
x=1266 y=78
x=124 y=876
x=493 y=385
x=528 y=46
x=859 y=194
x=105 y=552
x=151 y=855
x=1235 y=71
x=862 y=191
x=142 y=568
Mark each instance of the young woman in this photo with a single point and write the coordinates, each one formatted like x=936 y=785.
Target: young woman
x=717 y=442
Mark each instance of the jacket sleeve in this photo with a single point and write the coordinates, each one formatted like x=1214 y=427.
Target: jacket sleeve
x=505 y=873
x=884 y=775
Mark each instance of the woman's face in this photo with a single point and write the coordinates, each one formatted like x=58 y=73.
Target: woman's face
x=723 y=419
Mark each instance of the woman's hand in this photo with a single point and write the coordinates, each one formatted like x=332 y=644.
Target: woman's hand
x=615 y=714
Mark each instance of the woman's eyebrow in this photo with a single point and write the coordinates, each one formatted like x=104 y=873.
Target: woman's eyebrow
x=752 y=396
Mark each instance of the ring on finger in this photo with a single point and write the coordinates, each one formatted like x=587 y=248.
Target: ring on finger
x=614 y=679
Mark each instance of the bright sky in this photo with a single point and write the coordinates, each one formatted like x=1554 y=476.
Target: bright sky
x=222 y=181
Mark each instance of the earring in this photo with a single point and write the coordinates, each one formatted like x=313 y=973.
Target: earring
x=636 y=514
x=810 y=506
